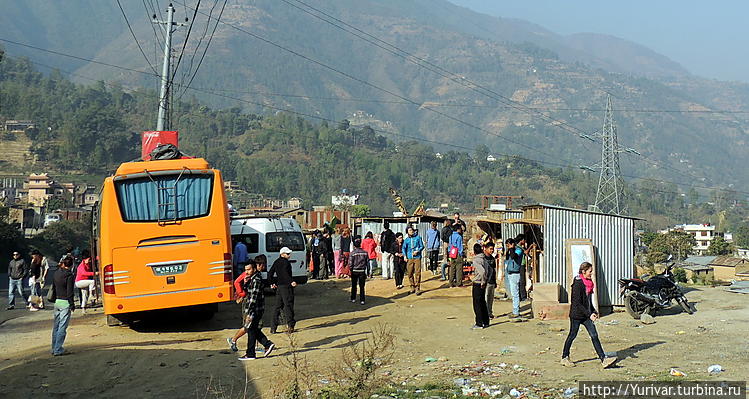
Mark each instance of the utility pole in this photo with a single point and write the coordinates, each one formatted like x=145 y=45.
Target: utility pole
x=161 y=122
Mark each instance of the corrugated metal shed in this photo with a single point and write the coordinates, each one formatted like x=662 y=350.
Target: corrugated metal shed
x=503 y=218
x=611 y=235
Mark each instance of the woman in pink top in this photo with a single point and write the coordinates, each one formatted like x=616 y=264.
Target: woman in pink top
x=84 y=278
x=369 y=244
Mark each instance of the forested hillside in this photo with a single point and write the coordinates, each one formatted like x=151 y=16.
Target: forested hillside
x=271 y=53
x=94 y=128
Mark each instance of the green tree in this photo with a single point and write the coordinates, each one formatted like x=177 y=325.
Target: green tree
x=360 y=210
x=719 y=246
x=676 y=243
x=62 y=235
x=741 y=236
x=648 y=237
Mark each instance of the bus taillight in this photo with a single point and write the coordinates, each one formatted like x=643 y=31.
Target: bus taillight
x=108 y=279
x=227 y=267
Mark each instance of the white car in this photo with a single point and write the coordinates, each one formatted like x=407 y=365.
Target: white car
x=51 y=218
x=267 y=235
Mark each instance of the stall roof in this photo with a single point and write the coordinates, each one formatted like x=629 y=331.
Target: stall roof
x=510 y=221
x=540 y=205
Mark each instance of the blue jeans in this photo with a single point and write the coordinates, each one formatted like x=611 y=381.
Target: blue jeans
x=13 y=286
x=512 y=283
x=60 y=329
x=444 y=271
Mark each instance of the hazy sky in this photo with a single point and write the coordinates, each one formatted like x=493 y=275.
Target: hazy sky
x=708 y=38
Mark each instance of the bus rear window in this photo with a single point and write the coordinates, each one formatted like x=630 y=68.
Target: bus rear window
x=275 y=241
x=164 y=197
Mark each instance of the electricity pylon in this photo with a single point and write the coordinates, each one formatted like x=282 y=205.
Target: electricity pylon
x=610 y=193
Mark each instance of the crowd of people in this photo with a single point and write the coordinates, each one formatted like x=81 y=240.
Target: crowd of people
x=70 y=278
x=339 y=254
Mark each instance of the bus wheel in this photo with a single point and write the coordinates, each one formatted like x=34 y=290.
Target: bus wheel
x=113 y=321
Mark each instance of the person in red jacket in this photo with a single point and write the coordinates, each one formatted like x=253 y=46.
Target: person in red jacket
x=369 y=245
x=240 y=295
x=84 y=278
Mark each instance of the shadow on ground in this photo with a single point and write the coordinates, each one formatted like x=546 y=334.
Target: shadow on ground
x=127 y=370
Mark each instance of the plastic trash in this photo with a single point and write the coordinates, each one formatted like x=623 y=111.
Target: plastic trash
x=461 y=382
x=677 y=373
x=515 y=393
x=680 y=332
x=570 y=392
x=507 y=349
x=715 y=369
x=430 y=359
x=647 y=319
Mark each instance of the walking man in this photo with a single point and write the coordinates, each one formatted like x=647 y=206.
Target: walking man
x=412 y=247
x=447 y=231
x=359 y=259
x=387 y=246
x=478 y=290
x=253 y=309
x=17 y=271
x=456 y=256
x=63 y=296
x=433 y=247
x=281 y=280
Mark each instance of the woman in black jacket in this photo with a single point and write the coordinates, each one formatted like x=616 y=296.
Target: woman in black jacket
x=583 y=312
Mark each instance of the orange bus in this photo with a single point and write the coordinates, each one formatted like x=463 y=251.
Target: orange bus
x=161 y=239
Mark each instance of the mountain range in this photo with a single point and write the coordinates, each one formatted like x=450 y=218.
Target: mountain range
x=517 y=88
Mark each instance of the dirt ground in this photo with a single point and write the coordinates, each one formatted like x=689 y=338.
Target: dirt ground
x=174 y=357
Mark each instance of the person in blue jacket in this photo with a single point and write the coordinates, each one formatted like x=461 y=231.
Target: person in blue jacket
x=455 y=253
x=412 y=248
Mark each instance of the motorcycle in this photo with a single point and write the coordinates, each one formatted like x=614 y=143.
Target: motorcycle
x=649 y=295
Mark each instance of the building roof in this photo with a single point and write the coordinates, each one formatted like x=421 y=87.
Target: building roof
x=700 y=260
x=540 y=205
x=728 y=261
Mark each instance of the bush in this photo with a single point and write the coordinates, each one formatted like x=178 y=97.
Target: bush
x=680 y=275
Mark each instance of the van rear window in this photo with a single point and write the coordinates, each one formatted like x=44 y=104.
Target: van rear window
x=275 y=241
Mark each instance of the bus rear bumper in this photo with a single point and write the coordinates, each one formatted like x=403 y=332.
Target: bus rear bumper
x=114 y=304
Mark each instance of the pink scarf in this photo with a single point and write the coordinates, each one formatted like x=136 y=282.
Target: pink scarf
x=588 y=284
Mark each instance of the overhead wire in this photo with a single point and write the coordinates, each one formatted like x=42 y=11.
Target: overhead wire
x=205 y=50
x=291 y=111
x=456 y=78
x=390 y=92
x=124 y=15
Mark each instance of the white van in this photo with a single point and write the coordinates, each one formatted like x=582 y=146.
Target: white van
x=51 y=218
x=267 y=235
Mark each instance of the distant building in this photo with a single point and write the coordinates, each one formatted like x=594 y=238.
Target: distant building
x=491 y=158
x=39 y=189
x=704 y=234
x=18 y=126
x=295 y=202
x=344 y=200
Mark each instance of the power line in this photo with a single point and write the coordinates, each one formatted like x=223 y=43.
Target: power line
x=187 y=37
x=78 y=58
x=395 y=50
x=205 y=50
x=462 y=105
x=134 y=37
x=364 y=82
